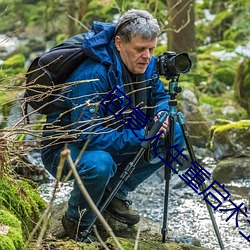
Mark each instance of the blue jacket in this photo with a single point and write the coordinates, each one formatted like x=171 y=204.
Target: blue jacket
x=87 y=118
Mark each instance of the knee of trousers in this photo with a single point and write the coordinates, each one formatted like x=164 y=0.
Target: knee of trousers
x=98 y=165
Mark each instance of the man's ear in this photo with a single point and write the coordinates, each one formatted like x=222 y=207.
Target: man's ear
x=118 y=42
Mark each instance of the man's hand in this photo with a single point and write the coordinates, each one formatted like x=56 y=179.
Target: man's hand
x=165 y=125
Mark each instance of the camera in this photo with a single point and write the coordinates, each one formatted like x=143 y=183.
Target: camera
x=171 y=65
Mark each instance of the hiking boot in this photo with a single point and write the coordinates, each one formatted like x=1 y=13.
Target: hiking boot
x=75 y=231
x=121 y=211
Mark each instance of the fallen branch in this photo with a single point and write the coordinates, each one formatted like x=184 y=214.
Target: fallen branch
x=66 y=154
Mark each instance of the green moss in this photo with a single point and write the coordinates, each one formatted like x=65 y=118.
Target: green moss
x=16 y=61
x=13 y=239
x=9 y=219
x=16 y=237
x=235 y=125
x=212 y=100
x=6 y=243
x=21 y=199
x=13 y=71
x=128 y=244
x=174 y=246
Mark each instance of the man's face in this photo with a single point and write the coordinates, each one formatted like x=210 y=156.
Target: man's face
x=137 y=53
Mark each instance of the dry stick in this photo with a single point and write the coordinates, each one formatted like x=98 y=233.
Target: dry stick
x=66 y=154
x=137 y=236
x=99 y=238
x=45 y=217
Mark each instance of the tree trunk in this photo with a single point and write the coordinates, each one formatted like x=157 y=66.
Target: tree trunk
x=181 y=27
x=83 y=7
x=71 y=6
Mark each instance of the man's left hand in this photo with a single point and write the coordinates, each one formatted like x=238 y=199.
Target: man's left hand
x=165 y=125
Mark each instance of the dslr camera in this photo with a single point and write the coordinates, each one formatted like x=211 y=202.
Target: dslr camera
x=171 y=65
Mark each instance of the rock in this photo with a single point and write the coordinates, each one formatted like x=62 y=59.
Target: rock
x=231 y=139
x=228 y=110
x=188 y=95
x=197 y=125
x=231 y=169
x=149 y=238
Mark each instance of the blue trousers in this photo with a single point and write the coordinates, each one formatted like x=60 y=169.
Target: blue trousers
x=99 y=170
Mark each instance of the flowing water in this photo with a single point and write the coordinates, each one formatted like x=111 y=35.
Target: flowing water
x=187 y=212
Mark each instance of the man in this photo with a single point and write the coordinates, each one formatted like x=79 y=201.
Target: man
x=121 y=69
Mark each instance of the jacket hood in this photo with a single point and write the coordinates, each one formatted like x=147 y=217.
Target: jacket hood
x=98 y=43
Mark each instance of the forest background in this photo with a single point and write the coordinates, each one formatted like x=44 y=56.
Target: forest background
x=214 y=33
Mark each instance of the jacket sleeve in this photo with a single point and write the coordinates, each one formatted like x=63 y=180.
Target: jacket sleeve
x=88 y=118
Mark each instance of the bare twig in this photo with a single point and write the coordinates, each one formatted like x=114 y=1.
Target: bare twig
x=77 y=21
x=99 y=238
x=67 y=155
x=137 y=236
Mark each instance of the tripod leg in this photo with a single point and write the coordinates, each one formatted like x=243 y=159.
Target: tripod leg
x=181 y=121
x=169 y=142
x=129 y=168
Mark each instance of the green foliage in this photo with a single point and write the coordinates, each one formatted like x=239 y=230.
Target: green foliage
x=221 y=23
x=49 y=20
x=12 y=67
x=242 y=84
x=229 y=22
x=216 y=67
x=225 y=75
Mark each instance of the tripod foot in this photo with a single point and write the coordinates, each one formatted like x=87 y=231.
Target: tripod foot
x=164 y=232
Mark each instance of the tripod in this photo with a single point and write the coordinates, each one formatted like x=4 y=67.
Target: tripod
x=173 y=90
x=129 y=169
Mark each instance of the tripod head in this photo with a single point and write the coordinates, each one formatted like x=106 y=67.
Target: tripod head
x=174 y=89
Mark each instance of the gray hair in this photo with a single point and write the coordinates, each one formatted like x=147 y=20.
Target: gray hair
x=137 y=22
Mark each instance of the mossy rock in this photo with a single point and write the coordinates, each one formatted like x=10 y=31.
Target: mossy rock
x=219 y=107
x=150 y=235
x=22 y=200
x=10 y=231
x=231 y=169
x=128 y=244
x=230 y=139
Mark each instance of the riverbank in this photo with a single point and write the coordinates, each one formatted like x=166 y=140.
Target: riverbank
x=188 y=215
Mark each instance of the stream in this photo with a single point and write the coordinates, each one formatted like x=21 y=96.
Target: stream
x=187 y=212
